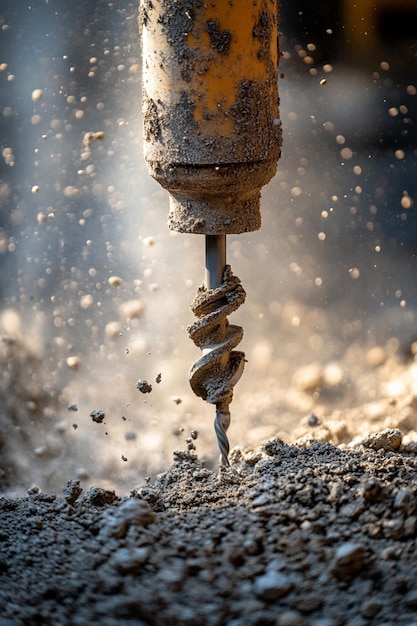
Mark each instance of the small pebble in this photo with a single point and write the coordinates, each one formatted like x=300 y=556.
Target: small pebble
x=389 y=439
x=33 y=491
x=291 y=618
x=130 y=560
x=100 y=497
x=72 y=491
x=348 y=560
x=251 y=458
x=132 y=512
x=369 y=608
x=313 y=420
x=272 y=585
x=274 y=447
x=310 y=602
x=143 y=386
x=97 y=416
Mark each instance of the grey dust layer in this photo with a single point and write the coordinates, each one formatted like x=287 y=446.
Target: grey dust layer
x=306 y=535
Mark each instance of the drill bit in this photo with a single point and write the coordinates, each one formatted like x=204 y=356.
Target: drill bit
x=214 y=374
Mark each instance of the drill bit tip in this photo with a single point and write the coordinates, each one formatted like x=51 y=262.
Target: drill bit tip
x=221 y=424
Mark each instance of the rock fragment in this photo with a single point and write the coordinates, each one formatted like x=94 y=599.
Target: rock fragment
x=252 y=457
x=143 y=386
x=132 y=512
x=292 y=618
x=274 y=447
x=100 y=497
x=348 y=560
x=389 y=439
x=309 y=602
x=370 y=607
x=72 y=491
x=97 y=416
x=406 y=501
x=272 y=585
x=130 y=560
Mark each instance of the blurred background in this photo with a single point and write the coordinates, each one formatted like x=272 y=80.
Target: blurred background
x=95 y=290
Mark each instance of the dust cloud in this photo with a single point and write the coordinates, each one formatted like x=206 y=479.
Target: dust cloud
x=95 y=290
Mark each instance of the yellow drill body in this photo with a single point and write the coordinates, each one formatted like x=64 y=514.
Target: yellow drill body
x=210 y=108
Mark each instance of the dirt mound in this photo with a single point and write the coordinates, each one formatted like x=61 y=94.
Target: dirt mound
x=289 y=535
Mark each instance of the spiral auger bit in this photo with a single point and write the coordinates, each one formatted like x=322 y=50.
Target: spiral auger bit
x=218 y=369
x=212 y=138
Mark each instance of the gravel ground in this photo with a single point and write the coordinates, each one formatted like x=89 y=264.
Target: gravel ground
x=293 y=535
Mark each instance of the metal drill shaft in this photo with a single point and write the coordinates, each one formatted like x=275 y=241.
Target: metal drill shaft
x=214 y=374
x=215 y=260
